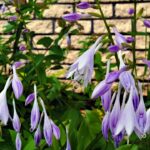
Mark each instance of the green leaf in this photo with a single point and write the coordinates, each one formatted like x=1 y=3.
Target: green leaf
x=46 y=42
x=128 y=147
x=140 y=13
x=95 y=14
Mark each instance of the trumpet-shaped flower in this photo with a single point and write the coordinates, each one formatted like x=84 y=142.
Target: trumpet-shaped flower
x=105 y=125
x=147 y=126
x=16 y=120
x=72 y=17
x=35 y=113
x=113 y=48
x=146 y=23
x=119 y=38
x=83 y=5
x=135 y=98
x=114 y=115
x=83 y=67
x=127 y=119
x=49 y=127
x=37 y=135
x=101 y=89
x=16 y=84
x=4 y=111
x=126 y=78
x=106 y=100
x=141 y=111
x=18 y=142
x=29 y=99
x=56 y=130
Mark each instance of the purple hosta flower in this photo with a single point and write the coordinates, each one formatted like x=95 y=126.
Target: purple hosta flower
x=135 y=98
x=131 y=11
x=16 y=84
x=113 y=48
x=113 y=76
x=147 y=62
x=35 y=113
x=29 y=99
x=114 y=115
x=118 y=138
x=25 y=31
x=83 y=70
x=146 y=23
x=106 y=100
x=105 y=125
x=119 y=38
x=125 y=78
x=22 y=47
x=4 y=111
x=16 y=120
x=72 y=17
x=18 y=142
x=147 y=126
x=18 y=64
x=12 y=18
x=101 y=89
x=127 y=119
x=68 y=146
x=37 y=135
x=49 y=127
x=141 y=111
x=56 y=130
x=3 y=8
x=83 y=5
x=130 y=39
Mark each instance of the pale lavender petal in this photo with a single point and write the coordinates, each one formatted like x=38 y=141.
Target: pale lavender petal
x=18 y=64
x=16 y=84
x=147 y=126
x=106 y=100
x=136 y=99
x=29 y=99
x=120 y=39
x=141 y=111
x=56 y=130
x=129 y=114
x=35 y=112
x=4 y=111
x=105 y=125
x=47 y=129
x=83 y=5
x=18 y=142
x=100 y=89
x=22 y=47
x=38 y=136
x=126 y=80
x=16 y=120
x=72 y=17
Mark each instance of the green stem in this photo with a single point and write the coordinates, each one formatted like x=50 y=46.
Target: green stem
x=134 y=35
x=108 y=29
